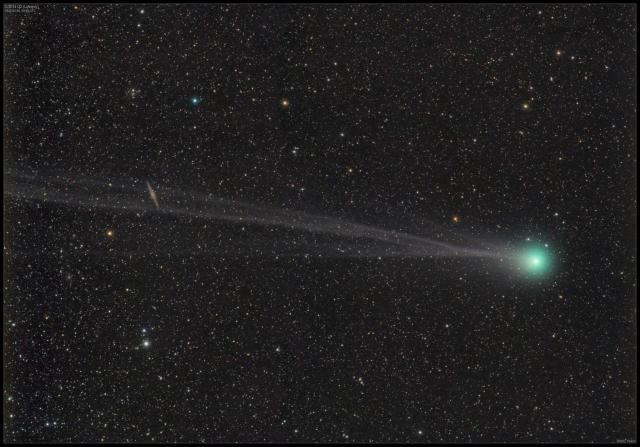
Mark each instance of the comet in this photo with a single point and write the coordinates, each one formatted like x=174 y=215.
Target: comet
x=286 y=231
x=153 y=195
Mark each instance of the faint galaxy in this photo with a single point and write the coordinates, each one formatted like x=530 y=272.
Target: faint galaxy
x=320 y=223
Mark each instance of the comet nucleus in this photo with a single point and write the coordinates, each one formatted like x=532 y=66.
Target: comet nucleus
x=535 y=260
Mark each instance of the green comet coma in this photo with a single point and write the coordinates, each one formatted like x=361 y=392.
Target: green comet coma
x=535 y=261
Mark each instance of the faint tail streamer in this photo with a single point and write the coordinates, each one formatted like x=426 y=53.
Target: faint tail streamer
x=91 y=193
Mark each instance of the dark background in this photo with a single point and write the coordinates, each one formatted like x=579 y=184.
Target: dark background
x=518 y=119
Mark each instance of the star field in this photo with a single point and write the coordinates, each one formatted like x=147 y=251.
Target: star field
x=132 y=315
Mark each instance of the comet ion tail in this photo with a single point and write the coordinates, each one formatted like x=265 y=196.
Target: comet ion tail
x=153 y=195
x=325 y=235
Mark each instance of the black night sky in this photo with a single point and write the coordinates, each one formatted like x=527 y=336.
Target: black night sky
x=320 y=223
